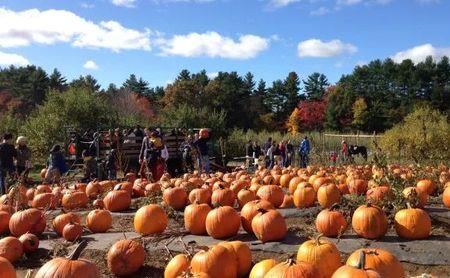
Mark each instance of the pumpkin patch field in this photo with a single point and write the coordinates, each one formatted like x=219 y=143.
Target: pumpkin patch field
x=346 y=221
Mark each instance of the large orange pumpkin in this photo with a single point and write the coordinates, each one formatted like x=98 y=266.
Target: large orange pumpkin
x=222 y=222
x=99 y=220
x=117 y=200
x=223 y=196
x=44 y=201
x=71 y=266
x=379 y=260
x=250 y=210
x=150 y=219
x=322 y=254
x=244 y=196
x=11 y=249
x=125 y=257
x=369 y=221
x=30 y=242
x=379 y=194
x=271 y=193
x=177 y=266
x=427 y=186
x=74 y=200
x=175 y=197
x=412 y=223
x=269 y=225
x=29 y=220
x=357 y=186
x=260 y=269
x=416 y=197
x=200 y=195
x=72 y=231
x=218 y=261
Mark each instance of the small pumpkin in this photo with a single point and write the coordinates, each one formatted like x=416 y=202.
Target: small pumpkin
x=30 y=242
x=11 y=249
x=322 y=254
x=271 y=193
x=223 y=196
x=99 y=221
x=195 y=218
x=222 y=222
x=260 y=269
x=150 y=219
x=200 y=195
x=242 y=254
x=412 y=223
x=369 y=221
x=414 y=196
x=358 y=186
x=175 y=197
x=72 y=231
x=125 y=257
x=244 y=196
x=74 y=200
x=269 y=225
x=427 y=186
x=72 y=266
x=328 y=195
x=117 y=200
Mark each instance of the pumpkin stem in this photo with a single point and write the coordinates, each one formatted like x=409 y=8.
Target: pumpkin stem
x=318 y=239
x=262 y=210
x=290 y=261
x=77 y=252
x=216 y=205
x=334 y=206
x=362 y=260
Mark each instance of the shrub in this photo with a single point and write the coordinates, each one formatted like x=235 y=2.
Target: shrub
x=423 y=135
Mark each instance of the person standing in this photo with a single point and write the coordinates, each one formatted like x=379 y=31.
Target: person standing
x=186 y=149
x=203 y=151
x=7 y=155
x=344 y=150
x=23 y=161
x=111 y=164
x=248 y=153
x=282 y=149
x=304 y=150
x=139 y=133
x=256 y=152
x=289 y=153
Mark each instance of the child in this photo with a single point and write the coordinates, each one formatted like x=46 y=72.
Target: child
x=56 y=165
x=111 y=165
x=333 y=158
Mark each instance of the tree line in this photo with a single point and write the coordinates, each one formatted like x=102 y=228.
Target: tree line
x=374 y=97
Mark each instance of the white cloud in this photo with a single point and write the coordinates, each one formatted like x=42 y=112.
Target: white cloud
x=53 y=26
x=212 y=44
x=419 y=53
x=124 y=3
x=281 y=3
x=87 y=5
x=320 y=11
x=361 y=63
x=90 y=65
x=319 y=49
x=7 y=59
x=212 y=75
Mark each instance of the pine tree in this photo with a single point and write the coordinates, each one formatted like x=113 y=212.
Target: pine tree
x=291 y=90
x=315 y=86
x=57 y=81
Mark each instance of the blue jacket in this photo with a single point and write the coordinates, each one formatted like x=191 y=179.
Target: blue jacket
x=57 y=160
x=304 y=146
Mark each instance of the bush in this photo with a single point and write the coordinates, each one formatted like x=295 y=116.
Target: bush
x=10 y=123
x=77 y=108
x=423 y=135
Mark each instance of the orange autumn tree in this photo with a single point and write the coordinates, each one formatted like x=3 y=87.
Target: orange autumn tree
x=308 y=115
x=293 y=122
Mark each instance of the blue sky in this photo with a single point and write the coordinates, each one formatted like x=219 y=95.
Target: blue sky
x=155 y=39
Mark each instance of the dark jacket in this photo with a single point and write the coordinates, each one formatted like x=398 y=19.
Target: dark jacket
x=202 y=146
x=57 y=160
x=249 y=150
x=7 y=155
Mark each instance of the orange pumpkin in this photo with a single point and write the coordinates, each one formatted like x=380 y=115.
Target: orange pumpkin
x=72 y=231
x=11 y=249
x=94 y=189
x=288 y=201
x=416 y=197
x=412 y=223
x=242 y=255
x=177 y=266
x=200 y=195
x=222 y=222
x=125 y=257
x=322 y=254
x=304 y=196
x=293 y=183
x=117 y=200
x=99 y=220
x=29 y=220
x=427 y=186
x=369 y=221
x=223 y=196
x=218 y=261
x=30 y=242
x=250 y=210
x=290 y=269
x=379 y=194
x=331 y=222
x=4 y=222
x=71 y=266
x=271 y=193
x=175 y=197
x=195 y=218
x=150 y=219
x=446 y=197
x=74 y=200
x=379 y=260
x=6 y=269
x=44 y=201
x=328 y=195
x=244 y=196
x=357 y=186
x=63 y=219
x=269 y=225
x=358 y=271
x=260 y=269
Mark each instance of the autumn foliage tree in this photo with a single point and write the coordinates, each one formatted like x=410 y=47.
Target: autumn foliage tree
x=312 y=114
